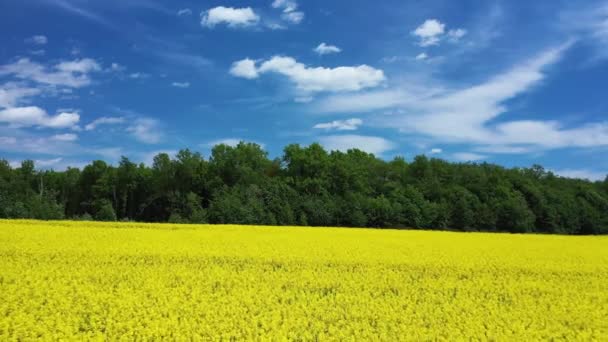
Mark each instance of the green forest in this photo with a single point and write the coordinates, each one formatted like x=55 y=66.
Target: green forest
x=309 y=186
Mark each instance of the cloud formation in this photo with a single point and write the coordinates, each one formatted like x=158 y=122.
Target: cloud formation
x=37 y=40
x=290 y=11
x=231 y=17
x=12 y=94
x=104 y=121
x=432 y=31
x=74 y=74
x=181 y=84
x=324 y=49
x=146 y=130
x=36 y=116
x=245 y=68
x=341 y=125
x=469 y=114
x=312 y=79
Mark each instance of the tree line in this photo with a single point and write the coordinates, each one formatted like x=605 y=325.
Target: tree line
x=309 y=186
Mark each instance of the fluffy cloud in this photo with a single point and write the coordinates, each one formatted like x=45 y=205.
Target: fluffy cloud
x=285 y=5
x=104 y=121
x=432 y=31
x=324 y=49
x=181 y=84
x=115 y=67
x=422 y=56
x=74 y=74
x=146 y=130
x=309 y=79
x=12 y=94
x=436 y=151
x=456 y=35
x=469 y=114
x=429 y=32
x=293 y=17
x=290 y=12
x=369 y=144
x=37 y=40
x=341 y=125
x=245 y=68
x=65 y=137
x=232 y=17
x=35 y=116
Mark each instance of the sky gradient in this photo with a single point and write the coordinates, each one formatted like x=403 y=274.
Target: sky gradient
x=510 y=82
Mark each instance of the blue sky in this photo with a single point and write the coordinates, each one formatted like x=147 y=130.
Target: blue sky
x=508 y=82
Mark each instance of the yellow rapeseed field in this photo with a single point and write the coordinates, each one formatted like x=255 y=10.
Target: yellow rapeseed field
x=84 y=280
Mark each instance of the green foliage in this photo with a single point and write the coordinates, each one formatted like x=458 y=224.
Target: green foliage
x=309 y=186
x=105 y=212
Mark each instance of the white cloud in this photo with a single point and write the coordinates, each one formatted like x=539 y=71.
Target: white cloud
x=138 y=75
x=232 y=17
x=432 y=31
x=184 y=12
x=293 y=17
x=37 y=40
x=74 y=74
x=45 y=163
x=115 y=67
x=65 y=137
x=104 y=121
x=436 y=151
x=468 y=156
x=468 y=114
x=228 y=141
x=35 y=116
x=429 y=32
x=245 y=68
x=303 y=99
x=285 y=5
x=341 y=125
x=582 y=174
x=79 y=66
x=324 y=49
x=369 y=144
x=275 y=26
x=146 y=130
x=290 y=12
x=12 y=94
x=181 y=84
x=308 y=79
x=589 y=22
x=456 y=34
x=422 y=56
x=20 y=142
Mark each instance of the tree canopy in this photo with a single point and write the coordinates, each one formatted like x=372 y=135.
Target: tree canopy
x=309 y=186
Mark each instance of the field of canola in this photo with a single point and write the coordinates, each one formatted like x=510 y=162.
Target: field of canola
x=77 y=280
